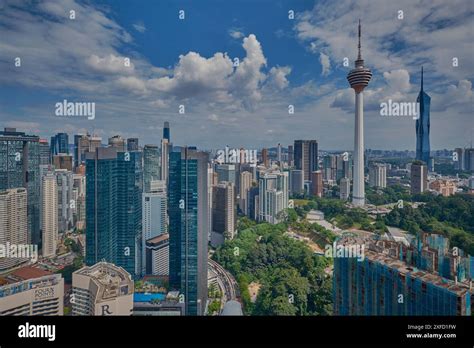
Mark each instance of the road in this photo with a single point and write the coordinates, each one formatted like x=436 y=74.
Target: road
x=226 y=279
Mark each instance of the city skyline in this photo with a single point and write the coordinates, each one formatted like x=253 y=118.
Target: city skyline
x=298 y=62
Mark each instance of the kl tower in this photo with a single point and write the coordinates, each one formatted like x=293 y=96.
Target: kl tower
x=359 y=78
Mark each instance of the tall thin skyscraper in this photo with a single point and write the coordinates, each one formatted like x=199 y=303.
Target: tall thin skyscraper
x=423 y=126
x=359 y=78
x=49 y=211
x=165 y=150
x=188 y=229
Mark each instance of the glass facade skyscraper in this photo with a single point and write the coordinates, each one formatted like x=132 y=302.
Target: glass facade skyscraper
x=151 y=166
x=59 y=144
x=423 y=126
x=114 y=208
x=188 y=229
x=19 y=167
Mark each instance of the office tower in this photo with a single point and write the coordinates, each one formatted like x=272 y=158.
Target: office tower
x=154 y=205
x=165 y=151
x=469 y=159
x=419 y=177
x=118 y=143
x=359 y=78
x=245 y=184
x=290 y=156
x=94 y=143
x=297 y=182
x=279 y=153
x=378 y=175
x=44 y=152
x=344 y=189
x=329 y=167
x=59 y=144
x=65 y=184
x=210 y=184
x=223 y=213
x=306 y=157
x=19 y=167
x=32 y=292
x=395 y=279
x=13 y=223
x=102 y=289
x=158 y=255
x=188 y=227
x=423 y=126
x=273 y=196
x=114 y=208
x=226 y=172
x=49 y=211
x=84 y=143
x=347 y=168
x=129 y=211
x=317 y=183
x=265 y=159
x=252 y=198
x=151 y=165
x=81 y=145
x=79 y=193
x=166 y=132
x=62 y=161
x=132 y=144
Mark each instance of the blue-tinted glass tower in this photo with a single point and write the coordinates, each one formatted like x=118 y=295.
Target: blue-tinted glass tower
x=59 y=144
x=188 y=229
x=114 y=208
x=423 y=126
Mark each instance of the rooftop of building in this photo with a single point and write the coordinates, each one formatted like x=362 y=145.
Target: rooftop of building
x=158 y=239
x=382 y=252
x=111 y=280
x=28 y=272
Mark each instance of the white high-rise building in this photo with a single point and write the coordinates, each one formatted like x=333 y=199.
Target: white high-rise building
x=344 y=188
x=154 y=214
x=49 y=211
x=164 y=160
x=245 y=184
x=66 y=202
x=359 y=78
x=13 y=223
x=32 y=292
x=102 y=289
x=378 y=175
x=273 y=196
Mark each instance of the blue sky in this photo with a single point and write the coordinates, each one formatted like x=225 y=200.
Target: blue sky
x=282 y=61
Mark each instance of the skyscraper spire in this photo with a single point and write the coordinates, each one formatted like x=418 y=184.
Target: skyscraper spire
x=359 y=57
x=422 y=78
